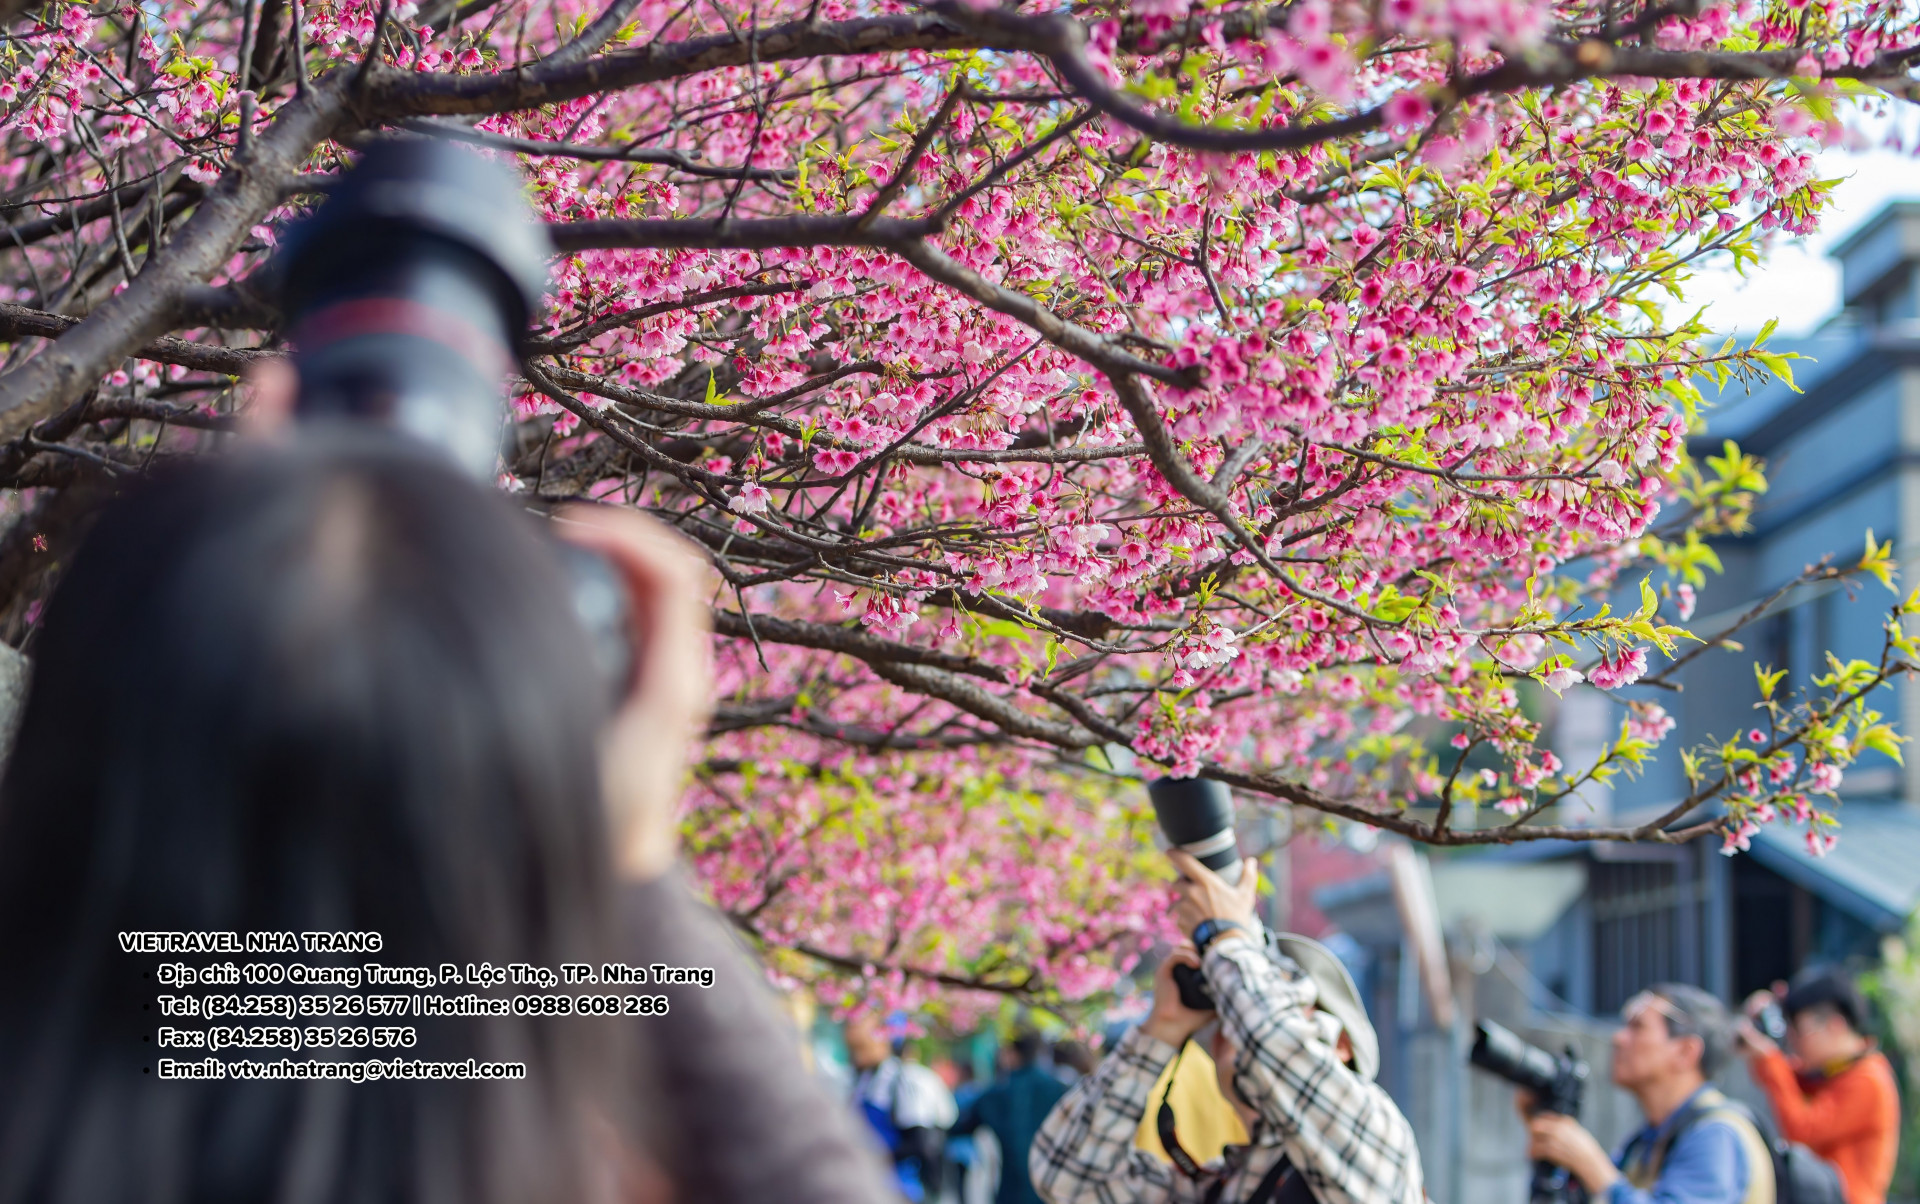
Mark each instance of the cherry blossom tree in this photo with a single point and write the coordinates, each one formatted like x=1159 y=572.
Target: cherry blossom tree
x=1271 y=393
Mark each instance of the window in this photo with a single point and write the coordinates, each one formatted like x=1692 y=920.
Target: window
x=1647 y=924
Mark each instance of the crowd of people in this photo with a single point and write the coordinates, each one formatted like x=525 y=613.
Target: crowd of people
x=1293 y=1058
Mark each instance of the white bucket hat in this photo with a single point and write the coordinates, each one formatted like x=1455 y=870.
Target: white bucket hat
x=1336 y=995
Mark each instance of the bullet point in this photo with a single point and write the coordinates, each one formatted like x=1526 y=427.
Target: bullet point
x=145 y=1070
x=145 y=975
x=146 y=1007
x=143 y=1040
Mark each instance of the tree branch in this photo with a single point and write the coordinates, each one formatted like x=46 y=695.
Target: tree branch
x=247 y=191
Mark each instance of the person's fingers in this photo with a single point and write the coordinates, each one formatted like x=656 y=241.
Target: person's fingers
x=1249 y=887
x=664 y=578
x=662 y=562
x=1196 y=873
x=1187 y=915
x=1183 y=954
x=271 y=385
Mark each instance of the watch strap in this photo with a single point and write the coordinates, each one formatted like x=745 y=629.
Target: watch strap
x=1210 y=930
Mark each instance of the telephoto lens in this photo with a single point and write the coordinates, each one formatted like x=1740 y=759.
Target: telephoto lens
x=409 y=292
x=408 y=295
x=1196 y=816
x=1557 y=1082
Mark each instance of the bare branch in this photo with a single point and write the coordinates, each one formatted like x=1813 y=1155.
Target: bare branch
x=122 y=324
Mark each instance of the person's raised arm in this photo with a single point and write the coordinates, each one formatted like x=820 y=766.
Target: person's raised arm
x=1085 y=1151
x=737 y=1119
x=1343 y=1133
x=1846 y=1109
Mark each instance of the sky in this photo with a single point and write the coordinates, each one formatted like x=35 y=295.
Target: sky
x=1797 y=283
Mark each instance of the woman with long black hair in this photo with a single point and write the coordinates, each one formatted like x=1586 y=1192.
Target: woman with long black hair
x=338 y=688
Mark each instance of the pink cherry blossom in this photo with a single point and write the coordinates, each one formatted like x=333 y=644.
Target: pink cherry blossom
x=1622 y=669
x=1014 y=445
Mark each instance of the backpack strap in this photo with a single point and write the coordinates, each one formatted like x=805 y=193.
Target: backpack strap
x=1269 y=1186
x=1264 y=1192
x=1754 y=1138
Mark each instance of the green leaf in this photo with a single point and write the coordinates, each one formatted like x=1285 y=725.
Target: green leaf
x=1776 y=363
x=1878 y=560
x=1881 y=739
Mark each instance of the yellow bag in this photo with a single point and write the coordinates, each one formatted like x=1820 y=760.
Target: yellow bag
x=1207 y=1121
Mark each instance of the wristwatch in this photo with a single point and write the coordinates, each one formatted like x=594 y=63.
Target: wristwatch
x=1210 y=930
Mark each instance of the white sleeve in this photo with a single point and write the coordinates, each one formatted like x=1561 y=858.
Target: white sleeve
x=922 y=1101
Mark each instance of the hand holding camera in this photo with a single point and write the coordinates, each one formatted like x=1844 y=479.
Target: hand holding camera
x=1196 y=815
x=1551 y=1089
x=410 y=292
x=1171 y=1020
x=643 y=750
x=1203 y=895
x=1562 y=1141
x=1763 y=1026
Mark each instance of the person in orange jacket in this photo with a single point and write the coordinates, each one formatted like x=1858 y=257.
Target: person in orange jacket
x=1837 y=1094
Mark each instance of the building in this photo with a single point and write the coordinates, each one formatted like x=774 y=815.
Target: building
x=1555 y=937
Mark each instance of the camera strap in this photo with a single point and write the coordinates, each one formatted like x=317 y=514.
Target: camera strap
x=1163 y=1122
x=1266 y=1192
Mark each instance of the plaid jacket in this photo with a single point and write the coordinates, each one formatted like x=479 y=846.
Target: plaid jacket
x=1343 y=1134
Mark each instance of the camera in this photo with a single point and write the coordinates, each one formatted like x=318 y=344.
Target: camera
x=1558 y=1083
x=408 y=295
x=1197 y=817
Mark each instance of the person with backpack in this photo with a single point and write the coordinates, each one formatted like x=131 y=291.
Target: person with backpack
x=1837 y=1093
x=1698 y=1146
x=1295 y=1056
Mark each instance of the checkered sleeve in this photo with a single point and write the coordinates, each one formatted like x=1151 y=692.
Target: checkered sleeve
x=1085 y=1152
x=1343 y=1133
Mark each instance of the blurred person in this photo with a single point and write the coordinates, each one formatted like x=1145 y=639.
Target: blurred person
x=906 y=1105
x=1697 y=1146
x=1012 y=1108
x=330 y=688
x=1296 y=1057
x=1837 y=1093
x=224 y=732
x=962 y=1153
x=1073 y=1061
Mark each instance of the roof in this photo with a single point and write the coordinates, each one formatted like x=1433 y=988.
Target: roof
x=1873 y=874
x=1879 y=251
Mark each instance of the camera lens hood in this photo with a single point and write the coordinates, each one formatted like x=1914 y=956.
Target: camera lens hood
x=433 y=187
x=1197 y=815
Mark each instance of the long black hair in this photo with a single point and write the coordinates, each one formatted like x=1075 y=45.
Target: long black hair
x=328 y=689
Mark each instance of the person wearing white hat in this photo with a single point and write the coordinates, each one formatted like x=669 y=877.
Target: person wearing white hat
x=1296 y=1057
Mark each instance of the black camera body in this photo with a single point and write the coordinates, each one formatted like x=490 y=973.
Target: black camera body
x=1196 y=815
x=1558 y=1083
x=408 y=295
